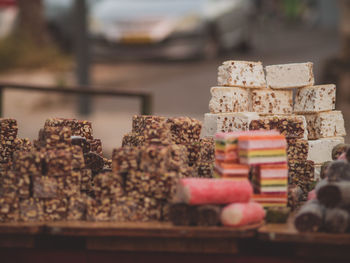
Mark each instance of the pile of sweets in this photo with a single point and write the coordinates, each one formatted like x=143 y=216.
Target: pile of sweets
x=181 y=131
x=153 y=157
x=211 y=202
x=53 y=179
x=258 y=155
x=247 y=100
x=328 y=208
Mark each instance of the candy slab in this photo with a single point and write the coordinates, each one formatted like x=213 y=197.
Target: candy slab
x=288 y=76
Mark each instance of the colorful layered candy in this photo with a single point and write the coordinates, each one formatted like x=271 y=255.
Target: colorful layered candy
x=262 y=149
x=271 y=185
x=231 y=170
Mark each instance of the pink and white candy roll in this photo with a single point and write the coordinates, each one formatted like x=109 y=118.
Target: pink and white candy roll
x=242 y=214
x=198 y=191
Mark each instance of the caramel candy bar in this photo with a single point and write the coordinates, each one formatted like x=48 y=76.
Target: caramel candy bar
x=158 y=133
x=55 y=137
x=96 y=146
x=315 y=99
x=193 y=151
x=155 y=158
x=293 y=126
x=228 y=100
x=23 y=145
x=205 y=169
x=8 y=129
x=133 y=139
x=78 y=127
x=98 y=210
x=29 y=163
x=246 y=74
x=14 y=184
x=268 y=101
x=58 y=162
x=297 y=149
x=108 y=185
x=125 y=209
x=72 y=184
x=94 y=162
x=325 y=124
x=45 y=187
x=125 y=159
x=77 y=206
x=82 y=142
x=207 y=150
x=140 y=123
x=293 y=75
x=157 y=184
x=55 y=209
x=302 y=175
x=130 y=209
x=9 y=210
x=185 y=130
x=31 y=209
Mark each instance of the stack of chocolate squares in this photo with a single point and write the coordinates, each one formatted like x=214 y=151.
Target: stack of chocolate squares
x=185 y=131
x=157 y=153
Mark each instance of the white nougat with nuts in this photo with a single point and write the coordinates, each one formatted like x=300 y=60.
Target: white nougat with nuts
x=320 y=150
x=325 y=124
x=287 y=76
x=244 y=74
x=229 y=99
x=315 y=99
x=227 y=122
x=269 y=101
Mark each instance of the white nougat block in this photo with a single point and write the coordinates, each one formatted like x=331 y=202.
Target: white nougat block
x=229 y=99
x=269 y=101
x=227 y=122
x=241 y=74
x=287 y=76
x=315 y=99
x=320 y=150
x=325 y=124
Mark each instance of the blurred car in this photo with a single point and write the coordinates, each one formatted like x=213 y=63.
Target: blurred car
x=172 y=29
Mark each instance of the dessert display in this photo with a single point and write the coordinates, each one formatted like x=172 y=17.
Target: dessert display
x=259 y=155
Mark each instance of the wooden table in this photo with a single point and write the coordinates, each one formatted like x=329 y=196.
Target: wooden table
x=162 y=242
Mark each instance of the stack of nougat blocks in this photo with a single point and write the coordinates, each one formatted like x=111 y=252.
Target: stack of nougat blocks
x=52 y=180
x=247 y=100
x=152 y=158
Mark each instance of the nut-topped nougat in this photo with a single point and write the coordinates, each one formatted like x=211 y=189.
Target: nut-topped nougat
x=229 y=99
x=315 y=99
x=268 y=101
x=227 y=122
x=293 y=75
x=244 y=74
x=325 y=124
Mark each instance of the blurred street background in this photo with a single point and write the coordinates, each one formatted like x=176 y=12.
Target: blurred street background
x=168 y=48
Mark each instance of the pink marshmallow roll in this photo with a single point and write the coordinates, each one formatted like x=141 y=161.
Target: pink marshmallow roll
x=241 y=214
x=198 y=191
